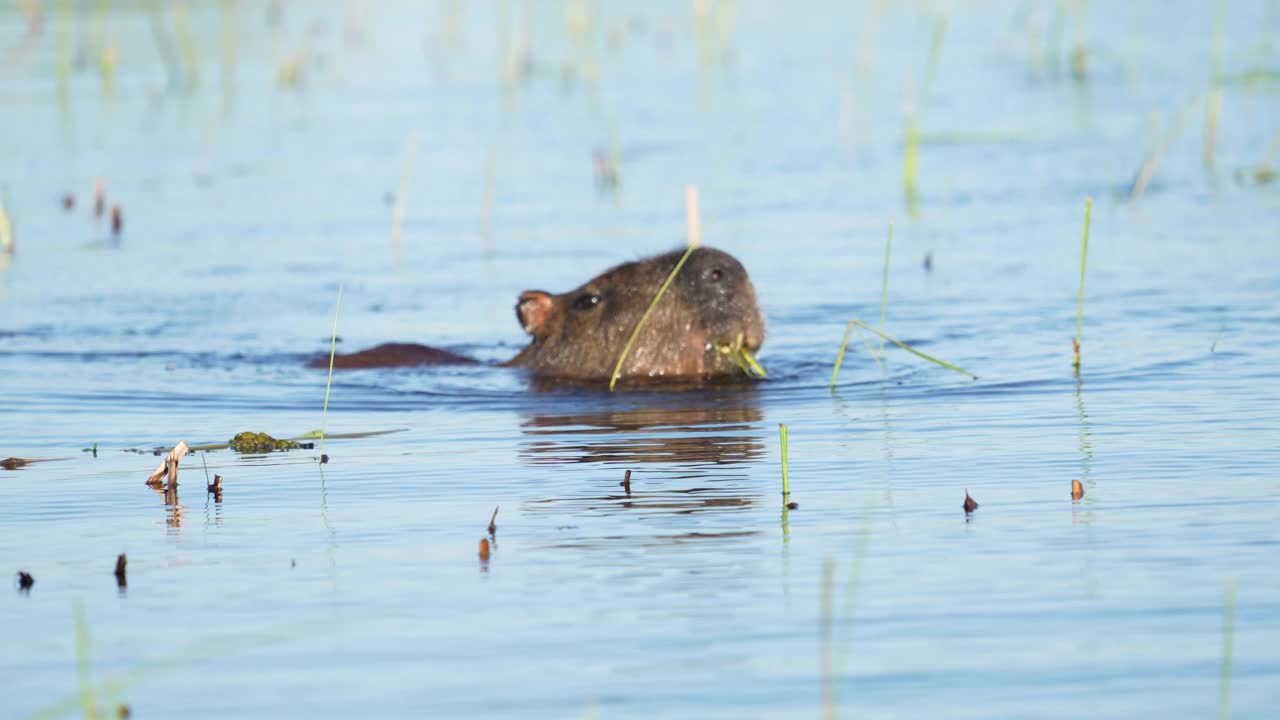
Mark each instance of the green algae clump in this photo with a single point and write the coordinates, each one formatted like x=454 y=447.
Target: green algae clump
x=252 y=442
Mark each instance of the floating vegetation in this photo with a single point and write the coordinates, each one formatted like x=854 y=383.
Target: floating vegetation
x=255 y=443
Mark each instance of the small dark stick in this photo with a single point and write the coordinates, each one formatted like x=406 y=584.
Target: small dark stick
x=1077 y=490
x=626 y=483
x=25 y=581
x=493 y=528
x=116 y=222
x=969 y=503
x=68 y=202
x=215 y=487
x=121 y=581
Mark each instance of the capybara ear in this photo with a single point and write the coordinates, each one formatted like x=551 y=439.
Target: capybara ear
x=532 y=311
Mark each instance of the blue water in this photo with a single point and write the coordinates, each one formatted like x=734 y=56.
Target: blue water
x=354 y=588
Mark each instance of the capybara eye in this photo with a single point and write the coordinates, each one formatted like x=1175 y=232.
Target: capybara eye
x=714 y=274
x=586 y=301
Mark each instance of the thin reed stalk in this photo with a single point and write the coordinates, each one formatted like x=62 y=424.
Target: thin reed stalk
x=1148 y=169
x=406 y=174
x=1214 y=105
x=328 y=383
x=786 y=472
x=1084 y=254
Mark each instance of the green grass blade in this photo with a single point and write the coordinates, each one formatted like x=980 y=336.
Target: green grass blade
x=626 y=349
x=908 y=348
x=786 y=473
x=333 y=349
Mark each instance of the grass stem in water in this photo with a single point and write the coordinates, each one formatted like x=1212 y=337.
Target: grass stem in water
x=786 y=476
x=1084 y=253
x=333 y=348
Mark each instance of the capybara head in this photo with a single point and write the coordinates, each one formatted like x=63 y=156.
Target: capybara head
x=697 y=329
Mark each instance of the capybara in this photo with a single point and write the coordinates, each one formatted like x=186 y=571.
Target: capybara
x=699 y=328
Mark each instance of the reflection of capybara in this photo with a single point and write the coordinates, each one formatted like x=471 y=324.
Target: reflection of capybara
x=697 y=329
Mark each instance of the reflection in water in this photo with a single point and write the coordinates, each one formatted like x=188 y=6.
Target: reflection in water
x=1086 y=452
x=704 y=429
x=702 y=439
